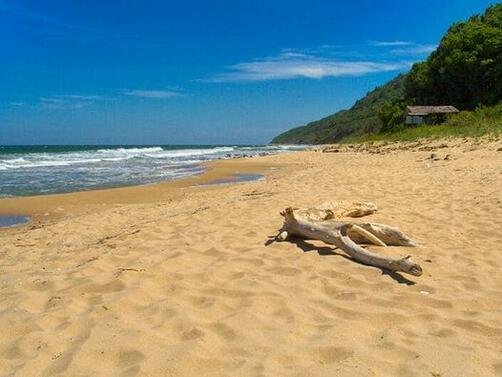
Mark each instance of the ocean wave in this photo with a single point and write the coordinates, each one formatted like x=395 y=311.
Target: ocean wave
x=158 y=152
x=289 y=147
x=45 y=160
x=53 y=163
x=118 y=155
x=43 y=172
x=189 y=152
x=131 y=150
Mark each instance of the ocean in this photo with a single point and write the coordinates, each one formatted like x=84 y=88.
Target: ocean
x=49 y=169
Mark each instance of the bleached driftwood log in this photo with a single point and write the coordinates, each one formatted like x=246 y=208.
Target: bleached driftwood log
x=319 y=224
x=350 y=209
x=336 y=210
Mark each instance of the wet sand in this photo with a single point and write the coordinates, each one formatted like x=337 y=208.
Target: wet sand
x=44 y=207
x=178 y=279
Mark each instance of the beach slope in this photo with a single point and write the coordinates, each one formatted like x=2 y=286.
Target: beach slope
x=184 y=281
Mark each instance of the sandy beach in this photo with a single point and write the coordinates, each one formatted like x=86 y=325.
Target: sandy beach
x=181 y=279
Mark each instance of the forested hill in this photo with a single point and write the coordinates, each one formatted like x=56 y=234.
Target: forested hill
x=361 y=118
x=464 y=71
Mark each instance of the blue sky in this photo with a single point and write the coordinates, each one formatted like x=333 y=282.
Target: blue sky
x=183 y=72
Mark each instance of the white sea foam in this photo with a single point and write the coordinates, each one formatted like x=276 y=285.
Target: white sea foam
x=45 y=160
x=47 y=163
x=46 y=172
x=189 y=152
x=131 y=150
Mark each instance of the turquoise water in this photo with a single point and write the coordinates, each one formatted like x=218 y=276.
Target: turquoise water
x=35 y=170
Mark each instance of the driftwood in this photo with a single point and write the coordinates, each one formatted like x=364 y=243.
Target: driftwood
x=322 y=224
x=348 y=209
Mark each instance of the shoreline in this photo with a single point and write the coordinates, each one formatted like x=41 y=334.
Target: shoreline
x=47 y=170
x=48 y=207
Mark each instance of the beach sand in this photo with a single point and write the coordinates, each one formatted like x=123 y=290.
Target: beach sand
x=174 y=279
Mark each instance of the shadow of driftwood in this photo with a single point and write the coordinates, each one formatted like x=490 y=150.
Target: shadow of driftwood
x=270 y=241
x=321 y=250
x=327 y=250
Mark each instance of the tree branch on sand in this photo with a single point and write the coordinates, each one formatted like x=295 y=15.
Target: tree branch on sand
x=324 y=224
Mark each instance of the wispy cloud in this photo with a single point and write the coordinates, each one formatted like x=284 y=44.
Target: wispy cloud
x=62 y=29
x=78 y=101
x=327 y=61
x=57 y=103
x=69 y=101
x=405 y=47
x=80 y=97
x=48 y=22
x=154 y=94
x=325 y=49
x=390 y=43
x=415 y=50
x=17 y=104
x=295 y=65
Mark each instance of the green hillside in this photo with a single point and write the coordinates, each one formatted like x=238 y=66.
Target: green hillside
x=465 y=71
x=361 y=118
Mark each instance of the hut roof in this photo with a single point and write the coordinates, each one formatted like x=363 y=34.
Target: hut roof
x=426 y=110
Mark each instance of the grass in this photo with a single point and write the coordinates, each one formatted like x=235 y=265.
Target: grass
x=480 y=122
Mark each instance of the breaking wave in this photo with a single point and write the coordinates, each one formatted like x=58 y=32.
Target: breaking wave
x=51 y=169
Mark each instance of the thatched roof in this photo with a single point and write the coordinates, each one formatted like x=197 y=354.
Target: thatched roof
x=426 y=110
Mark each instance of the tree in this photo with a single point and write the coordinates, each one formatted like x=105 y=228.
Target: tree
x=391 y=114
x=466 y=69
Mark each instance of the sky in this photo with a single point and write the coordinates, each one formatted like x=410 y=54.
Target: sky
x=201 y=72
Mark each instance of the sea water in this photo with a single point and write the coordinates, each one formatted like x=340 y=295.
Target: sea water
x=36 y=170
x=7 y=221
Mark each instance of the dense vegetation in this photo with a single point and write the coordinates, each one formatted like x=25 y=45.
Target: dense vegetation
x=484 y=120
x=465 y=71
x=361 y=118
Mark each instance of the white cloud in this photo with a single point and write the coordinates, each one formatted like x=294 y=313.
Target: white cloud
x=405 y=47
x=325 y=49
x=78 y=101
x=69 y=101
x=17 y=104
x=294 y=65
x=58 y=103
x=415 y=50
x=155 y=94
x=390 y=43
x=80 y=97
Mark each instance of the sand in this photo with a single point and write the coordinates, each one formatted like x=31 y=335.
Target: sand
x=174 y=280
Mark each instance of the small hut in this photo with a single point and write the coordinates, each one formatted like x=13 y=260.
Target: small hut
x=428 y=114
